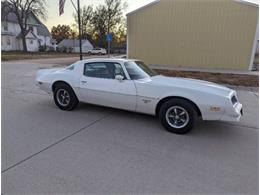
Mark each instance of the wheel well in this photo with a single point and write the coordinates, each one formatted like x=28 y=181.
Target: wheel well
x=56 y=83
x=162 y=101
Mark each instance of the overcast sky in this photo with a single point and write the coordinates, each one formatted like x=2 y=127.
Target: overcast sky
x=53 y=9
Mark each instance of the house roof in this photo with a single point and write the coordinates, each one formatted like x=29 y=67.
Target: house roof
x=7 y=33
x=27 y=31
x=10 y=17
x=73 y=43
x=245 y=2
x=143 y=7
x=43 y=30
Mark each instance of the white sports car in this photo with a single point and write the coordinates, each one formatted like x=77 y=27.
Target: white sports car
x=131 y=85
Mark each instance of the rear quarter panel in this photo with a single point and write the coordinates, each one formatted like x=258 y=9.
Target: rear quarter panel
x=71 y=77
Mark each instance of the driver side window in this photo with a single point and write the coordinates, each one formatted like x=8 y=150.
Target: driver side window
x=105 y=70
x=119 y=70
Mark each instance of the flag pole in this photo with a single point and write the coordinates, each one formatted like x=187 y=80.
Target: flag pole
x=80 y=42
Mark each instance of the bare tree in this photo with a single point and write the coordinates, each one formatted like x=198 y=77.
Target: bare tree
x=23 y=9
x=106 y=18
x=86 y=20
x=114 y=13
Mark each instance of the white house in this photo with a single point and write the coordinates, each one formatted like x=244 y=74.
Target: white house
x=37 y=34
x=73 y=44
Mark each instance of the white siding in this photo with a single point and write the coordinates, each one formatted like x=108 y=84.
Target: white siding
x=7 y=43
x=12 y=31
x=32 y=45
x=12 y=28
x=45 y=40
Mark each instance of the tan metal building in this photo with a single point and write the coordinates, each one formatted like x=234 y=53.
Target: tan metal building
x=219 y=34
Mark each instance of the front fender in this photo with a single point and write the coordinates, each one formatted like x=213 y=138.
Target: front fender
x=205 y=102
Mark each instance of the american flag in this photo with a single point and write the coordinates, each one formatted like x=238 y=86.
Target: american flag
x=61 y=6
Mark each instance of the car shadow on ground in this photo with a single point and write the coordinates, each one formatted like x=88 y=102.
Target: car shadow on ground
x=203 y=129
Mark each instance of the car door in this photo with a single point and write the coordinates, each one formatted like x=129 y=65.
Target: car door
x=99 y=86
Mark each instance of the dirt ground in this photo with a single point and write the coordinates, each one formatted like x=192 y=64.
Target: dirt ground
x=231 y=79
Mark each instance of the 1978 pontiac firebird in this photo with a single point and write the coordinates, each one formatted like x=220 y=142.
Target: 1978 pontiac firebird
x=131 y=85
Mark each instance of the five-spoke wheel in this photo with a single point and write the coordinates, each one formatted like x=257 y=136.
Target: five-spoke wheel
x=178 y=115
x=65 y=97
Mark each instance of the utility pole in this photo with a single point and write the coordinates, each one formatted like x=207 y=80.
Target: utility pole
x=108 y=32
x=79 y=21
x=108 y=49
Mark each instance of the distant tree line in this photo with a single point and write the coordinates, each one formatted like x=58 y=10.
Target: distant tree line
x=96 y=23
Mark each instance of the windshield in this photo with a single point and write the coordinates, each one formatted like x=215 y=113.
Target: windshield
x=138 y=70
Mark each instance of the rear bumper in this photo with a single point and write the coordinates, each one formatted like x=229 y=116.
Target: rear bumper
x=233 y=114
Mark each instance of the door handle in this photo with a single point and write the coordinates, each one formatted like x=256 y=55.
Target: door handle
x=84 y=82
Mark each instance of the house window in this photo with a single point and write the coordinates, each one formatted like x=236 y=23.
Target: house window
x=5 y=26
x=31 y=42
x=8 y=41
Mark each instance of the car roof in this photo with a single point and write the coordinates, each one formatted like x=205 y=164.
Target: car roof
x=122 y=60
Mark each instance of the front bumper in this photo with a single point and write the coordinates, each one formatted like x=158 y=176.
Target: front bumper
x=233 y=113
x=44 y=86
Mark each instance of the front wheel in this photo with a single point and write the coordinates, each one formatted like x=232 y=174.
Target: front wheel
x=64 y=97
x=178 y=116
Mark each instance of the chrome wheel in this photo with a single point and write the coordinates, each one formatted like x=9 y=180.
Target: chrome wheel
x=63 y=97
x=177 y=117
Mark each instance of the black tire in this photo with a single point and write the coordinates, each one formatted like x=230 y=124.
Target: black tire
x=73 y=100
x=190 y=116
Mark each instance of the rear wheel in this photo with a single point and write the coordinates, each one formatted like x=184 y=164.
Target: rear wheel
x=178 y=116
x=64 y=97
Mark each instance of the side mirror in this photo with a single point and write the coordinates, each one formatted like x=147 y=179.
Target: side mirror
x=119 y=77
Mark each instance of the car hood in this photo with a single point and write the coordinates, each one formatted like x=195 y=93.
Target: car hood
x=42 y=72
x=193 y=84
